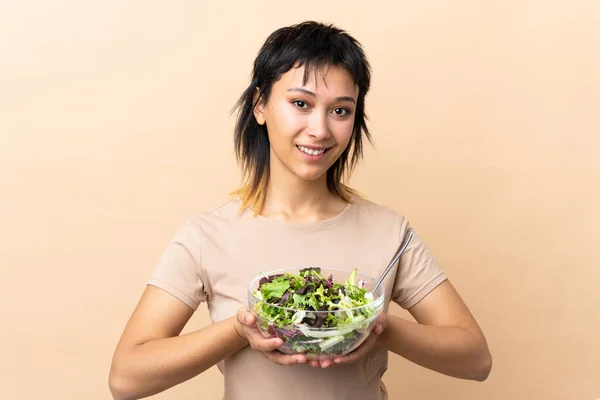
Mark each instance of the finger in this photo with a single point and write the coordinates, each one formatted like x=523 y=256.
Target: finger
x=341 y=360
x=262 y=344
x=351 y=357
x=284 y=359
x=378 y=330
x=382 y=320
x=358 y=353
x=380 y=325
x=249 y=319
x=244 y=316
x=326 y=363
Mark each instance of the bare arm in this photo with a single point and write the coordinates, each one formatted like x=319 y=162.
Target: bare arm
x=151 y=356
x=445 y=338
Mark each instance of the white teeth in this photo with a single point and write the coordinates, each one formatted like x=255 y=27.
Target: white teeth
x=311 y=151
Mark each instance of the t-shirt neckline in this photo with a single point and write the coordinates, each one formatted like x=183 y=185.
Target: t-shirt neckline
x=306 y=225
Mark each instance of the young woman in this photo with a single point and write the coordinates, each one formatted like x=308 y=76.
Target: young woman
x=300 y=130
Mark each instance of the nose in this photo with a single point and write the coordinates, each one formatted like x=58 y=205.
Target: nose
x=319 y=127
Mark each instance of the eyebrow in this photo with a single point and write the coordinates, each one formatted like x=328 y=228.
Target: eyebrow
x=309 y=93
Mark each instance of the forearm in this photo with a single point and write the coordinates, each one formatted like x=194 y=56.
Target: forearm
x=449 y=350
x=157 y=365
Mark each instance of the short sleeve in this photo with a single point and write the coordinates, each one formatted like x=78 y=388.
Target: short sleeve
x=418 y=272
x=179 y=268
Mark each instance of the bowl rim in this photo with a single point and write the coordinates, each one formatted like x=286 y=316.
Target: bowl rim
x=375 y=303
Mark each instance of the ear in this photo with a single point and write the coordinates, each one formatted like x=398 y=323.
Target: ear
x=259 y=107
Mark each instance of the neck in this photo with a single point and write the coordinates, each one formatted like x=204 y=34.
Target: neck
x=291 y=198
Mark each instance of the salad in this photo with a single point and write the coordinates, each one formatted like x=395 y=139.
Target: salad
x=314 y=314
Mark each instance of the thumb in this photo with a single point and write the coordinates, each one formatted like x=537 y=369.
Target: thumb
x=245 y=317
x=381 y=323
x=263 y=344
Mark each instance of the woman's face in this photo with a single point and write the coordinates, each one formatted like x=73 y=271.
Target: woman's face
x=309 y=126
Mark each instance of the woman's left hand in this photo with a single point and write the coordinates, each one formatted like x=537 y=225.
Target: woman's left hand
x=360 y=352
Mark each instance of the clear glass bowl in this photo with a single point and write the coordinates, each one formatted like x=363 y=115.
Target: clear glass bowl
x=308 y=334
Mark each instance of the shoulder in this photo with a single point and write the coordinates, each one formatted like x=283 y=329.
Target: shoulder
x=223 y=213
x=226 y=209
x=377 y=220
x=368 y=209
x=220 y=220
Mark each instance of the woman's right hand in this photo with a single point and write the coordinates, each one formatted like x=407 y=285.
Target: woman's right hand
x=245 y=325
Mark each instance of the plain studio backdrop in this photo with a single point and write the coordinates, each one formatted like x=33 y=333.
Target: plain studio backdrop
x=115 y=126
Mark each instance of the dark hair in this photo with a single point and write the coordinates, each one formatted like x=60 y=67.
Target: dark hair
x=312 y=45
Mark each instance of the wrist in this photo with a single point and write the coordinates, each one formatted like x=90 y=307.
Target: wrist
x=237 y=327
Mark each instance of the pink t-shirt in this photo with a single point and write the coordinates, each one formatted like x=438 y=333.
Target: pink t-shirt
x=214 y=255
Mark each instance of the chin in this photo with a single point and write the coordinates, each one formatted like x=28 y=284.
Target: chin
x=310 y=176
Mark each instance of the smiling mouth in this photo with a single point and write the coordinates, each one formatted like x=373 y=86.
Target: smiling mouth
x=312 y=152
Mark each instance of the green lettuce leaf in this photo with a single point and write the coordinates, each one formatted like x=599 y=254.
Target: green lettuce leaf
x=351 y=281
x=274 y=289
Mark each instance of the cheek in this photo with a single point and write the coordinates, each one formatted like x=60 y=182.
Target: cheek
x=284 y=122
x=342 y=131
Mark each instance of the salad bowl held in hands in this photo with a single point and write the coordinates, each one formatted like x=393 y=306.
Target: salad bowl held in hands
x=318 y=312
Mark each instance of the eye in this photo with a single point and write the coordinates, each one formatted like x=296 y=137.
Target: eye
x=300 y=103
x=341 y=111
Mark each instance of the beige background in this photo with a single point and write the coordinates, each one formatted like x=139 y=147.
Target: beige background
x=115 y=126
